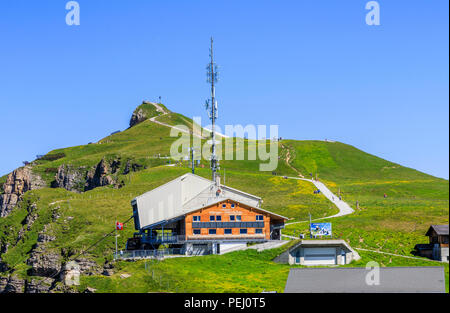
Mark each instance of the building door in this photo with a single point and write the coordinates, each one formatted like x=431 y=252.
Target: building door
x=320 y=256
x=199 y=249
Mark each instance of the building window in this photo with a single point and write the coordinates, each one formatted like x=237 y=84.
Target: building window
x=196 y=218
x=232 y=218
x=259 y=217
x=224 y=205
x=233 y=205
x=228 y=231
x=197 y=231
x=212 y=218
x=238 y=218
x=218 y=218
x=258 y=231
x=243 y=231
x=212 y=231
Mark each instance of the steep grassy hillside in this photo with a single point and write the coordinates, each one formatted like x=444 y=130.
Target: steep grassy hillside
x=393 y=224
x=77 y=220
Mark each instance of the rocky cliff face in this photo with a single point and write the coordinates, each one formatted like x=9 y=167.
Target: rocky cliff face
x=12 y=284
x=70 y=178
x=80 y=179
x=44 y=263
x=137 y=117
x=99 y=176
x=145 y=111
x=17 y=183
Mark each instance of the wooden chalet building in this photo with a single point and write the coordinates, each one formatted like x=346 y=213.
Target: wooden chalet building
x=437 y=248
x=200 y=216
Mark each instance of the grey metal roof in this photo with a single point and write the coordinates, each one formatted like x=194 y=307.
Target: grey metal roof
x=222 y=199
x=439 y=229
x=425 y=279
x=185 y=194
x=325 y=243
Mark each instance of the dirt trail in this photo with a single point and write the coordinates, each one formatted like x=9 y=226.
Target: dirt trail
x=288 y=159
x=344 y=208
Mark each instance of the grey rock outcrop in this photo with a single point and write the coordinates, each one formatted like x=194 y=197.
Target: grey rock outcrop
x=39 y=286
x=17 y=183
x=129 y=166
x=88 y=267
x=45 y=264
x=31 y=217
x=14 y=285
x=70 y=178
x=3 y=266
x=89 y=290
x=137 y=117
x=99 y=176
x=3 y=283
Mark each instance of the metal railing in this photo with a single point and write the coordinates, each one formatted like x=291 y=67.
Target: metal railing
x=165 y=238
x=160 y=253
x=142 y=254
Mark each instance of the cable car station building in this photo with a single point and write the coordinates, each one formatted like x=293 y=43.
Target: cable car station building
x=201 y=216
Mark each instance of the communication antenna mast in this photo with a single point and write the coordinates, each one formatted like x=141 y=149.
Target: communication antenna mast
x=212 y=75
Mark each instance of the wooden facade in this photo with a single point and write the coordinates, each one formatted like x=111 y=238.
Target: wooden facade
x=228 y=220
x=438 y=234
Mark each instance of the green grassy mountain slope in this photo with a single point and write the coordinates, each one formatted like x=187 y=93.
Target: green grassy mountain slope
x=134 y=162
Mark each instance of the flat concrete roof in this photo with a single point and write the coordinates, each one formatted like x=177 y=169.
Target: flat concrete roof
x=427 y=279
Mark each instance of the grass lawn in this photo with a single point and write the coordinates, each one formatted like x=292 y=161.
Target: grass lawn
x=236 y=272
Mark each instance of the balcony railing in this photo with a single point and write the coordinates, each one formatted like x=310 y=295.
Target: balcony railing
x=165 y=238
x=231 y=237
x=143 y=254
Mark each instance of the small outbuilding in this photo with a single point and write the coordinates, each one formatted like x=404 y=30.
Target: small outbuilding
x=437 y=248
x=319 y=252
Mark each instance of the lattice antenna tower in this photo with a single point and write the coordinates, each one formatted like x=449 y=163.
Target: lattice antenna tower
x=212 y=77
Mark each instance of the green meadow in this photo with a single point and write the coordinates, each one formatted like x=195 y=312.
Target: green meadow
x=393 y=224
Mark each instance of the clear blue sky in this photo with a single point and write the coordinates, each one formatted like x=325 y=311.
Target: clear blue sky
x=313 y=67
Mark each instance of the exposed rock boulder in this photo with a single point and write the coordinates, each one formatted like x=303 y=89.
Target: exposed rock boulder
x=39 y=286
x=70 y=178
x=90 y=290
x=3 y=283
x=138 y=117
x=44 y=238
x=108 y=272
x=145 y=111
x=3 y=266
x=130 y=166
x=14 y=285
x=31 y=216
x=99 y=176
x=88 y=267
x=17 y=183
x=45 y=264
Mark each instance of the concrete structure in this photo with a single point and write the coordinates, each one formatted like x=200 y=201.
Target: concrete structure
x=437 y=248
x=200 y=216
x=361 y=280
x=319 y=252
